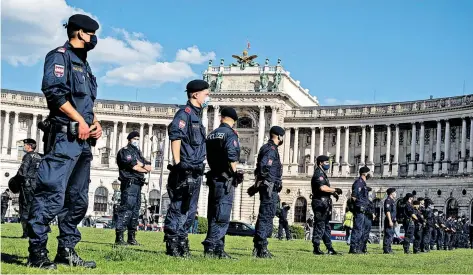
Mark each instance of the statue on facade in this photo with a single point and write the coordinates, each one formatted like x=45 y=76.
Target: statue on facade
x=277 y=80
x=264 y=79
x=245 y=60
x=218 y=84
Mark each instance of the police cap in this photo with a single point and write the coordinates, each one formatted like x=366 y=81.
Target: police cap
x=196 y=85
x=229 y=112
x=133 y=135
x=29 y=141
x=82 y=21
x=276 y=130
x=364 y=169
x=390 y=191
x=420 y=199
x=408 y=196
x=322 y=158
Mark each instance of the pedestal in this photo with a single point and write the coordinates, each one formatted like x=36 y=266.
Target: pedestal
x=437 y=165
x=469 y=166
x=395 y=169
x=371 y=167
x=445 y=167
x=285 y=169
x=336 y=170
x=461 y=166
x=310 y=169
x=412 y=168
x=420 y=169
x=345 y=169
x=112 y=161
x=386 y=169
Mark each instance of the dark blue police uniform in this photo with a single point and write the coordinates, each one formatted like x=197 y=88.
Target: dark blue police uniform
x=360 y=222
x=283 y=223
x=64 y=173
x=427 y=230
x=185 y=178
x=418 y=227
x=223 y=148
x=389 y=206
x=440 y=231
x=408 y=224
x=269 y=172
x=367 y=228
x=131 y=182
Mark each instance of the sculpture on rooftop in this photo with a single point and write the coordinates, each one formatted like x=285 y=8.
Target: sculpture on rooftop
x=245 y=60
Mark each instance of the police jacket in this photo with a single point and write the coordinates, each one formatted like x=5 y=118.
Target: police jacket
x=420 y=218
x=187 y=127
x=318 y=180
x=29 y=167
x=5 y=198
x=268 y=166
x=390 y=206
x=284 y=212
x=223 y=148
x=408 y=211
x=68 y=78
x=360 y=192
x=127 y=158
x=429 y=217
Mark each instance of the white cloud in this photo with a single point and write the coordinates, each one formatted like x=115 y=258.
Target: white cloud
x=192 y=55
x=335 y=101
x=331 y=101
x=31 y=28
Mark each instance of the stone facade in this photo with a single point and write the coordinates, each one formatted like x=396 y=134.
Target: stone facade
x=424 y=146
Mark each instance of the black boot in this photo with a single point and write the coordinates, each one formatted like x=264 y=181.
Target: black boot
x=131 y=238
x=119 y=238
x=353 y=250
x=25 y=232
x=185 y=248
x=331 y=251
x=317 y=250
x=209 y=252
x=40 y=259
x=221 y=254
x=172 y=247
x=263 y=252
x=68 y=256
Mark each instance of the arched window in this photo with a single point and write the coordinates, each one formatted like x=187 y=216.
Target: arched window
x=300 y=210
x=245 y=123
x=101 y=199
x=452 y=207
x=154 y=201
x=165 y=204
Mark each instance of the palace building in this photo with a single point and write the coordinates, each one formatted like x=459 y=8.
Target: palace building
x=424 y=147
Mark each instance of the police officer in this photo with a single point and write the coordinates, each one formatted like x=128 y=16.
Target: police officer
x=408 y=221
x=429 y=225
x=5 y=199
x=28 y=169
x=370 y=216
x=361 y=211
x=187 y=135
x=132 y=167
x=441 y=230
x=268 y=175
x=64 y=173
x=433 y=236
x=322 y=206
x=223 y=155
x=389 y=220
x=418 y=226
x=283 y=223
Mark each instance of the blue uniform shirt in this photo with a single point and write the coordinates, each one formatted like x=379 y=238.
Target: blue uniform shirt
x=268 y=165
x=68 y=78
x=187 y=127
x=318 y=180
x=390 y=206
x=360 y=192
x=127 y=158
x=223 y=148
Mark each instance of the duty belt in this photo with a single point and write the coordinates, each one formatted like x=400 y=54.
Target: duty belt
x=324 y=198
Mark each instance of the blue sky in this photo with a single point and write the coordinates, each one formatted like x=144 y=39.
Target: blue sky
x=342 y=51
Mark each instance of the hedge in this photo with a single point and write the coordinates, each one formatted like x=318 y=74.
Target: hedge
x=203 y=225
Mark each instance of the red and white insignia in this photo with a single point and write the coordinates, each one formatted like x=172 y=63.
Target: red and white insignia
x=235 y=131
x=187 y=110
x=128 y=157
x=272 y=147
x=61 y=50
x=270 y=162
x=235 y=143
x=182 y=124
x=58 y=70
x=321 y=178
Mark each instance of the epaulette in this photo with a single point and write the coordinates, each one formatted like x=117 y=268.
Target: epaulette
x=187 y=110
x=61 y=49
x=235 y=131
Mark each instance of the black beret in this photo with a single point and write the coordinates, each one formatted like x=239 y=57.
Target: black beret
x=276 y=130
x=133 y=135
x=82 y=21
x=229 y=112
x=196 y=85
x=390 y=191
x=420 y=199
x=364 y=169
x=29 y=141
x=322 y=158
x=408 y=196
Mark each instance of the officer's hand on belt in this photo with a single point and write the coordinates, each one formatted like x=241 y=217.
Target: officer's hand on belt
x=84 y=130
x=181 y=166
x=239 y=176
x=338 y=191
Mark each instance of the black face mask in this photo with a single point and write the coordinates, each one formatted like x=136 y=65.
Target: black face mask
x=368 y=176
x=281 y=140
x=90 y=45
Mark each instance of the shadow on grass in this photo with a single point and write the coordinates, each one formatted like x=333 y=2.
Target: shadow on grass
x=13 y=237
x=12 y=259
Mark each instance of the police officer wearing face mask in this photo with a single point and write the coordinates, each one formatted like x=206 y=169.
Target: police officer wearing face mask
x=63 y=178
x=322 y=206
x=132 y=167
x=187 y=135
x=361 y=211
x=28 y=170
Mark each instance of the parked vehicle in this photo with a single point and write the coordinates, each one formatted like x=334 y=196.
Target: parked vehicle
x=237 y=228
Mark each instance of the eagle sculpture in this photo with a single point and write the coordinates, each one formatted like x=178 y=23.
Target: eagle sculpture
x=245 y=60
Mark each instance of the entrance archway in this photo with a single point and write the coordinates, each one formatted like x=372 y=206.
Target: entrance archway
x=452 y=207
x=300 y=210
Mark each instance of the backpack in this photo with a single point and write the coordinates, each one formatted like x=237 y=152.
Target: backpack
x=351 y=205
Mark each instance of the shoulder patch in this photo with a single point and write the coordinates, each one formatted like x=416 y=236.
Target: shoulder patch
x=187 y=110
x=235 y=143
x=270 y=162
x=272 y=147
x=61 y=50
x=182 y=124
x=128 y=157
x=58 y=70
x=321 y=178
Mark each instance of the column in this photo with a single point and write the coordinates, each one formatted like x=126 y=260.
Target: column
x=363 y=146
x=6 y=133
x=124 y=134
x=412 y=163
x=469 y=165
x=336 y=164
x=142 y=129
x=113 y=146
x=236 y=215
x=371 y=153
x=287 y=147
x=167 y=148
x=310 y=171
x=14 y=149
x=295 y=158
x=274 y=115
x=261 y=128
x=387 y=163
x=217 y=117
x=437 y=148
x=420 y=164
x=34 y=129
x=446 y=160
x=461 y=162
x=395 y=164
x=205 y=119
x=345 y=164
x=41 y=143
x=321 y=141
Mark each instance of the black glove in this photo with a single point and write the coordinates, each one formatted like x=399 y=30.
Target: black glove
x=239 y=176
x=181 y=166
x=252 y=190
x=338 y=191
x=335 y=195
x=369 y=189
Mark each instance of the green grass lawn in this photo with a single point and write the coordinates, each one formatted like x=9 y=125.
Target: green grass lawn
x=290 y=257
